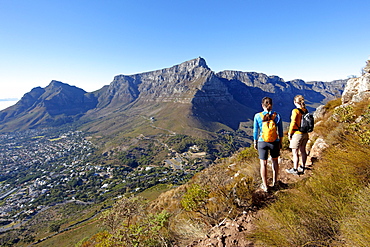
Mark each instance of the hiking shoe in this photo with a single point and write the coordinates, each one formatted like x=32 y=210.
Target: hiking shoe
x=301 y=169
x=279 y=186
x=292 y=171
x=264 y=188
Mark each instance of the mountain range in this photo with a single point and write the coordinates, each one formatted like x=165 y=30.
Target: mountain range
x=187 y=98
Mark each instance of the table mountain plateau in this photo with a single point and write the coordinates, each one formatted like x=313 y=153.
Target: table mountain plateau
x=188 y=98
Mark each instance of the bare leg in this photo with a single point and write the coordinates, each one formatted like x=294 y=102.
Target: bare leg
x=275 y=170
x=304 y=155
x=263 y=169
x=295 y=157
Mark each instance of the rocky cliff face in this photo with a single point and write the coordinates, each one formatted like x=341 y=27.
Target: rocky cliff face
x=193 y=82
x=358 y=89
x=179 y=83
x=189 y=92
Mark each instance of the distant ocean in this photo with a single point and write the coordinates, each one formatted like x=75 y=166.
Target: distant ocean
x=6 y=103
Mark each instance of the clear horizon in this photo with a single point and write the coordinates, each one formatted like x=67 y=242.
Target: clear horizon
x=6 y=103
x=87 y=43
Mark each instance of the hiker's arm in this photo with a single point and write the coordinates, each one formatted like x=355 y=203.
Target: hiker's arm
x=280 y=128
x=280 y=131
x=255 y=131
x=293 y=123
x=255 y=128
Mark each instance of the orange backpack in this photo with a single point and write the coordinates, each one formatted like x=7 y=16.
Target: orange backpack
x=269 y=129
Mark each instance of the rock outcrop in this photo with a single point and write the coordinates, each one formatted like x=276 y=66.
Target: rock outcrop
x=358 y=89
x=318 y=148
x=228 y=233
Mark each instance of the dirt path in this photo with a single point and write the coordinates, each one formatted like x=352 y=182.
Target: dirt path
x=232 y=233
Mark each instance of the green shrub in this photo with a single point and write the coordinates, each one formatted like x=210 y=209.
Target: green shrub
x=246 y=154
x=54 y=227
x=129 y=224
x=344 y=114
x=285 y=143
x=361 y=127
x=365 y=137
x=195 y=199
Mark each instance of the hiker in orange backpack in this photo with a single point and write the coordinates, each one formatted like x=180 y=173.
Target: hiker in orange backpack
x=297 y=136
x=268 y=136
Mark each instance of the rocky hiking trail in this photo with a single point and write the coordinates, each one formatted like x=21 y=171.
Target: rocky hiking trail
x=232 y=232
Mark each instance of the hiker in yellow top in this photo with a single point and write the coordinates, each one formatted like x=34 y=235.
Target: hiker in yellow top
x=298 y=139
x=268 y=135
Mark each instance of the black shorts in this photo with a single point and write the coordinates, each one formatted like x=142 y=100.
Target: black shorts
x=264 y=147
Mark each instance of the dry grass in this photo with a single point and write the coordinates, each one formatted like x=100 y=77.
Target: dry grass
x=310 y=215
x=355 y=226
x=326 y=209
x=230 y=185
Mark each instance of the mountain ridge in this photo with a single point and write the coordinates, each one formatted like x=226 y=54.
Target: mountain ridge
x=196 y=96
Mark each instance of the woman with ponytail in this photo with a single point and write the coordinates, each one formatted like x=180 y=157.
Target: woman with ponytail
x=268 y=140
x=298 y=140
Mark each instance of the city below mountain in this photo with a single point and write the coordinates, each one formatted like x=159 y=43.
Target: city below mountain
x=188 y=98
x=165 y=156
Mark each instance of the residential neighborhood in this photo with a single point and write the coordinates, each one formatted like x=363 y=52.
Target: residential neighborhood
x=33 y=163
x=40 y=168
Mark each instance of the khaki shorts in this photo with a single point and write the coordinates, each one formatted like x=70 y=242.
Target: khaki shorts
x=298 y=140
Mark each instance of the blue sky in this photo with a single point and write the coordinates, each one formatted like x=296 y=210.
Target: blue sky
x=86 y=43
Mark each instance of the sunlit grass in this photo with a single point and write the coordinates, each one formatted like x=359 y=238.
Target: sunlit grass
x=326 y=209
x=55 y=139
x=355 y=226
x=70 y=238
x=38 y=137
x=153 y=192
